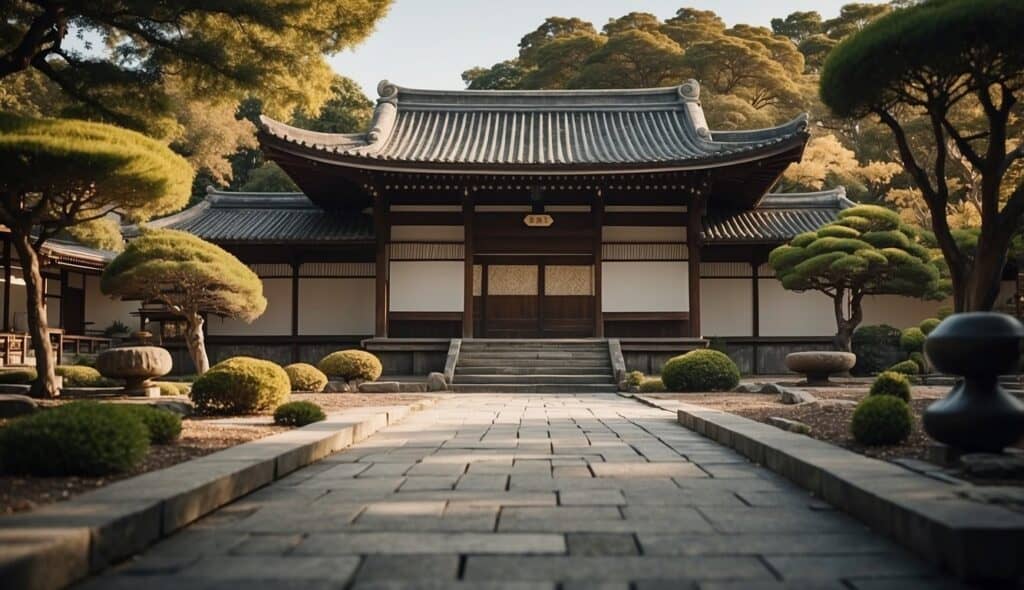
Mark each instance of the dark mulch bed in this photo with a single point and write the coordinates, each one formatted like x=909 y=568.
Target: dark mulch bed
x=199 y=436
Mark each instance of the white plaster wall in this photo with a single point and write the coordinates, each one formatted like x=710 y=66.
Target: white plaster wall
x=900 y=312
x=102 y=310
x=644 y=286
x=427 y=233
x=275 y=321
x=336 y=306
x=424 y=285
x=726 y=307
x=623 y=233
x=788 y=313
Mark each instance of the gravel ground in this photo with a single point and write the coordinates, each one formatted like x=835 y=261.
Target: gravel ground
x=199 y=436
x=828 y=422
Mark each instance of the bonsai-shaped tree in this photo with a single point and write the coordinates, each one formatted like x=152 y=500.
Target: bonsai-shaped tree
x=954 y=71
x=189 y=276
x=57 y=174
x=867 y=251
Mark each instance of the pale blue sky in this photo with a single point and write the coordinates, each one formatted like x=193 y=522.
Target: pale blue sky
x=428 y=43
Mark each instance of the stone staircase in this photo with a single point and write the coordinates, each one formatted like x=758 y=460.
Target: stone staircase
x=534 y=366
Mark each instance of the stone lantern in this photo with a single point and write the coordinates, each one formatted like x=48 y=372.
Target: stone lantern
x=137 y=365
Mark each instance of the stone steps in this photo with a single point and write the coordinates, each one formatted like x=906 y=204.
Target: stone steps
x=534 y=366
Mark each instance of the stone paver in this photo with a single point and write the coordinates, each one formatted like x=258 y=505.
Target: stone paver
x=523 y=492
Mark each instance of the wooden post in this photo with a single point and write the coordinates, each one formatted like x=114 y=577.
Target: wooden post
x=694 y=213
x=382 y=232
x=755 y=330
x=467 y=279
x=7 y=284
x=598 y=212
x=295 y=310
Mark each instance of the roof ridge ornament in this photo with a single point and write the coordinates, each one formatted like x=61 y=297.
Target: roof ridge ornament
x=689 y=91
x=387 y=92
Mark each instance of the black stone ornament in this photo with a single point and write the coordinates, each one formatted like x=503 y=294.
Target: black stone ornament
x=978 y=415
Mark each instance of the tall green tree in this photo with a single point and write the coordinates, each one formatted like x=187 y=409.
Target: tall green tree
x=270 y=48
x=867 y=251
x=933 y=63
x=56 y=174
x=190 y=277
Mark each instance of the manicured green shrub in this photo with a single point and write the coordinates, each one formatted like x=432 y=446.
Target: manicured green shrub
x=298 y=414
x=881 y=420
x=85 y=361
x=18 y=376
x=164 y=426
x=82 y=376
x=894 y=383
x=912 y=340
x=306 y=377
x=634 y=378
x=944 y=312
x=173 y=388
x=876 y=347
x=351 y=364
x=80 y=438
x=652 y=385
x=241 y=385
x=921 y=362
x=907 y=367
x=700 y=370
x=928 y=325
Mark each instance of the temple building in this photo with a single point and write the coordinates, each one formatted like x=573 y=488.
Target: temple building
x=585 y=214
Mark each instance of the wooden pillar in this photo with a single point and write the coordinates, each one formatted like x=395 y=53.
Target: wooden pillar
x=7 y=284
x=755 y=329
x=598 y=212
x=694 y=213
x=295 y=310
x=382 y=230
x=467 y=278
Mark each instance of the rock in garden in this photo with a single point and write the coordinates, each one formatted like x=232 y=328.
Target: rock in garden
x=337 y=387
x=380 y=387
x=993 y=465
x=789 y=425
x=436 y=382
x=774 y=388
x=13 y=405
x=795 y=396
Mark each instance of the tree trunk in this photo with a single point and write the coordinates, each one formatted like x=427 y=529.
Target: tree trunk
x=46 y=384
x=846 y=323
x=196 y=342
x=981 y=288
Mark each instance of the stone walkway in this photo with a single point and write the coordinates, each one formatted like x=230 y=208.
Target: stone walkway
x=524 y=492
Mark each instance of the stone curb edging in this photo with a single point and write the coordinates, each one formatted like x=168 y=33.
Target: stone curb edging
x=932 y=518
x=61 y=543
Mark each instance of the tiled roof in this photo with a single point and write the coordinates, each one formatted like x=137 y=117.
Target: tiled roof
x=228 y=217
x=777 y=218
x=74 y=254
x=661 y=128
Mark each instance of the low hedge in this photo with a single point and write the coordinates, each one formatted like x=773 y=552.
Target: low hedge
x=881 y=420
x=912 y=340
x=173 y=388
x=700 y=370
x=877 y=348
x=298 y=413
x=241 y=385
x=351 y=364
x=164 y=426
x=907 y=367
x=892 y=383
x=18 y=376
x=82 y=376
x=928 y=325
x=652 y=385
x=634 y=378
x=80 y=438
x=306 y=377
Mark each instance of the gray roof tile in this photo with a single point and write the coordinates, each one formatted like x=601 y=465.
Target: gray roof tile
x=777 y=218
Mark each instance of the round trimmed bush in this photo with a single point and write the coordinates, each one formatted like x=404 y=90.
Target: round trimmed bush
x=912 y=339
x=241 y=385
x=172 y=388
x=164 y=426
x=920 y=361
x=876 y=347
x=892 y=383
x=80 y=438
x=306 y=377
x=907 y=367
x=928 y=325
x=652 y=385
x=82 y=376
x=944 y=312
x=881 y=420
x=298 y=413
x=18 y=376
x=351 y=364
x=700 y=370
x=634 y=378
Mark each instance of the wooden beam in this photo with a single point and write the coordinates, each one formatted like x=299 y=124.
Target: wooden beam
x=7 y=284
x=695 y=212
x=383 y=235
x=467 y=277
x=597 y=209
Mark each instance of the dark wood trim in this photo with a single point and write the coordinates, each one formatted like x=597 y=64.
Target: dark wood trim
x=425 y=316
x=381 y=230
x=284 y=340
x=755 y=296
x=695 y=211
x=426 y=218
x=534 y=259
x=7 y=283
x=597 y=209
x=467 y=264
x=646 y=316
x=541 y=286
x=295 y=309
x=646 y=219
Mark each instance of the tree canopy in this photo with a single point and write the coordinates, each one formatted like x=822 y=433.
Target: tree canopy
x=944 y=77
x=190 y=276
x=867 y=251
